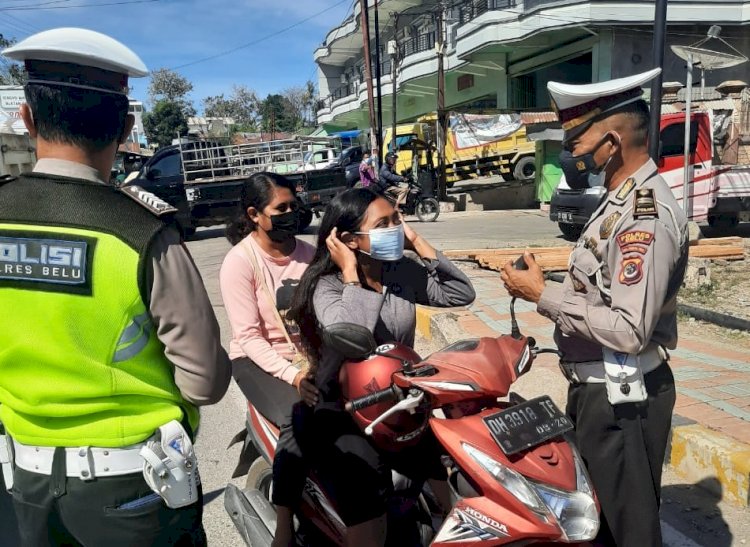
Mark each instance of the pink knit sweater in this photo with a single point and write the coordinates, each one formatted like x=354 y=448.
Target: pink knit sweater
x=255 y=330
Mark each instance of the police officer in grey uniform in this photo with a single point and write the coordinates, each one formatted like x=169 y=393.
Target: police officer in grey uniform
x=615 y=312
x=77 y=111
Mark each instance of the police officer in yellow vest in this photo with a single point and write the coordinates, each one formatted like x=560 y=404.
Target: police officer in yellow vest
x=616 y=312
x=108 y=342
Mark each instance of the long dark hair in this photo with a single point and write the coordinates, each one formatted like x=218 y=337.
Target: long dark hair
x=257 y=191
x=345 y=213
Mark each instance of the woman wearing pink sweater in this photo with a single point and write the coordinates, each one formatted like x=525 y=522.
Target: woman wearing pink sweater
x=262 y=357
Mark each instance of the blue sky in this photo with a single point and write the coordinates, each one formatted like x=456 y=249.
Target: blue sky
x=170 y=33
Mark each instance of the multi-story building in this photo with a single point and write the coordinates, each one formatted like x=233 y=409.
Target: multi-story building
x=500 y=54
x=137 y=138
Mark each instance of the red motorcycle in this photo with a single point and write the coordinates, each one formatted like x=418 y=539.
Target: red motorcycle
x=516 y=478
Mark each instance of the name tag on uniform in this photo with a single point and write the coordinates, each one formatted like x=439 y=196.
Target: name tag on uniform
x=46 y=263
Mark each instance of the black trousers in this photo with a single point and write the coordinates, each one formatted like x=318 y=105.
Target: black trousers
x=356 y=474
x=274 y=399
x=111 y=511
x=623 y=447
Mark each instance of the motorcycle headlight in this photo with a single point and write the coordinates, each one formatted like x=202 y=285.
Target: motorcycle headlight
x=575 y=512
x=513 y=482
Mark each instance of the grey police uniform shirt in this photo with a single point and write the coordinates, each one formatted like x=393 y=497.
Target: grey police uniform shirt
x=180 y=308
x=624 y=274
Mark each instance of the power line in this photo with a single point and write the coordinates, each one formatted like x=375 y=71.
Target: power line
x=46 y=5
x=37 y=5
x=261 y=39
x=19 y=24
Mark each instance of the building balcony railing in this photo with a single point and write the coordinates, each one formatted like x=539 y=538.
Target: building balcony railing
x=417 y=44
x=475 y=8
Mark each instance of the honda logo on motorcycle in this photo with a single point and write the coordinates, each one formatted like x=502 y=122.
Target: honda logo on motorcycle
x=469 y=525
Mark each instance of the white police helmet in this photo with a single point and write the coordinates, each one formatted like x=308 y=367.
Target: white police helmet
x=77 y=57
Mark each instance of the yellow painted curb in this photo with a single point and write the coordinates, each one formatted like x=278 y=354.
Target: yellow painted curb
x=424 y=321
x=699 y=453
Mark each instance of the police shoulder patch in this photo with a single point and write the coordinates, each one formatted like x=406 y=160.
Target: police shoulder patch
x=645 y=204
x=625 y=189
x=153 y=203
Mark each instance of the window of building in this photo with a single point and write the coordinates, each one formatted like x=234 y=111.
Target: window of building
x=673 y=139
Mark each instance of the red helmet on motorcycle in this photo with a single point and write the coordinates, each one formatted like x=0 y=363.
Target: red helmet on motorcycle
x=360 y=378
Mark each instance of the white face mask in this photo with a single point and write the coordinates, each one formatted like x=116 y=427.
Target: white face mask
x=386 y=244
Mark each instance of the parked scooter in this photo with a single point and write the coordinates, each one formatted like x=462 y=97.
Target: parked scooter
x=515 y=476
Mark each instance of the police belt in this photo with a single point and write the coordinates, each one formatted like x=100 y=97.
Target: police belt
x=85 y=462
x=592 y=372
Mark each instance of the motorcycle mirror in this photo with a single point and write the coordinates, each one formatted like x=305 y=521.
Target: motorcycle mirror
x=350 y=340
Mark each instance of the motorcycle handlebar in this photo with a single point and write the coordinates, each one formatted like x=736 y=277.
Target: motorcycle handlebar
x=381 y=396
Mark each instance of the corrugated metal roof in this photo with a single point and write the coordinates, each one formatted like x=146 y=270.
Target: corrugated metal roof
x=201 y=120
x=528 y=118
x=723 y=104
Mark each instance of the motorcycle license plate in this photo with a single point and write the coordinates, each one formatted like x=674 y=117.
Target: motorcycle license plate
x=526 y=425
x=564 y=217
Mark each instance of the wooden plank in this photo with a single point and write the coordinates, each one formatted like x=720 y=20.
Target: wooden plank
x=717 y=251
x=732 y=240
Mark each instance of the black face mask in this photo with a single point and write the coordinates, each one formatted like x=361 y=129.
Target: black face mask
x=284 y=226
x=581 y=172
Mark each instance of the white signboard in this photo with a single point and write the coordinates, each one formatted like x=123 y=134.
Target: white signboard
x=11 y=99
x=470 y=130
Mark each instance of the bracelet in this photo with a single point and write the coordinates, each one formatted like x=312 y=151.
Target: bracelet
x=353 y=284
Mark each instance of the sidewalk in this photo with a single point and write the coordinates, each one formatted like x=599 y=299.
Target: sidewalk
x=711 y=426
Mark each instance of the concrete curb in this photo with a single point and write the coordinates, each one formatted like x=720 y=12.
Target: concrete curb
x=698 y=453
x=694 y=452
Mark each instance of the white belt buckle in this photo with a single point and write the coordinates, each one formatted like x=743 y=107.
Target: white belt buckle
x=85 y=464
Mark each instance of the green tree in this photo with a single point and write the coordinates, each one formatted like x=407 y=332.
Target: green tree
x=242 y=105
x=166 y=85
x=10 y=73
x=279 y=114
x=309 y=99
x=164 y=122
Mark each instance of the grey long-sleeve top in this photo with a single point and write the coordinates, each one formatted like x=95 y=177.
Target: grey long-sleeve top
x=391 y=316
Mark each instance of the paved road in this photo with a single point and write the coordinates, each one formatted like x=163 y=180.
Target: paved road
x=466 y=230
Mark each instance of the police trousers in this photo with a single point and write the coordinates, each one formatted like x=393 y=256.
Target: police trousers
x=120 y=511
x=623 y=447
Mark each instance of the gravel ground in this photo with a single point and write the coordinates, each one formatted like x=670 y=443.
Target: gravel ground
x=729 y=291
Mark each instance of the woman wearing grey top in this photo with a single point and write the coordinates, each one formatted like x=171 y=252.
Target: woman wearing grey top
x=359 y=275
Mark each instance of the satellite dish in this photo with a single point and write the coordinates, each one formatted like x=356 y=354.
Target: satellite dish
x=708 y=59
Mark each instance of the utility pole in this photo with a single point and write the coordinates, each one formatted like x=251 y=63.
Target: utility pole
x=660 y=31
x=365 y=26
x=441 y=114
x=379 y=134
x=393 y=51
